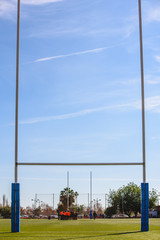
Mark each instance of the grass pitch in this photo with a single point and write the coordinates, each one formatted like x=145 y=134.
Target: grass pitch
x=100 y=229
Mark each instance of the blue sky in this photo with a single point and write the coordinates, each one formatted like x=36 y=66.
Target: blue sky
x=80 y=93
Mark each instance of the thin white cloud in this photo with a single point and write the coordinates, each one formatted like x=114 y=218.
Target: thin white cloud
x=114 y=179
x=151 y=12
x=149 y=80
x=152 y=104
x=9 y=7
x=154 y=14
x=77 y=179
x=39 y=2
x=96 y=50
x=157 y=58
x=156 y=138
x=152 y=80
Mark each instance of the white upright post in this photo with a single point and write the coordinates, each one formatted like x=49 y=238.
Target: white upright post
x=144 y=185
x=142 y=93
x=68 y=191
x=53 y=201
x=15 y=205
x=90 y=195
x=88 y=201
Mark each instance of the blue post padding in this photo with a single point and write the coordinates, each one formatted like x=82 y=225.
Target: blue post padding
x=144 y=207
x=15 y=208
x=90 y=214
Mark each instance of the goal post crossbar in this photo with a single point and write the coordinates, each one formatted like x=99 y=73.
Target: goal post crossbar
x=79 y=164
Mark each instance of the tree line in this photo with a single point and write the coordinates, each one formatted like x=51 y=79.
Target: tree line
x=127 y=200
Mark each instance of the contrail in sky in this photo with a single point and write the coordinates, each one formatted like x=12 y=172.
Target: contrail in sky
x=152 y=104
x=72 y=115
x=95 y=50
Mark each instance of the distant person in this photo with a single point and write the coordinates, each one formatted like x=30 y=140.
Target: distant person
x=94 y=215
x=58 y=215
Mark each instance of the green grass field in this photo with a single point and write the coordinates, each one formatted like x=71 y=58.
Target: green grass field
x=113 y=229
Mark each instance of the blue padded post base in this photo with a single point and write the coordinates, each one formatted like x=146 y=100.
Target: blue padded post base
x=15 y=208
x=90 y=214
x=144 y=207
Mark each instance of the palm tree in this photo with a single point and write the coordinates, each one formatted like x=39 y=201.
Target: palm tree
x=65 y=195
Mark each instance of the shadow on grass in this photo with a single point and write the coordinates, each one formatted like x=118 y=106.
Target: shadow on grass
x=67 y=237
x=105 y=235
x=123 y=233
x=5 y=232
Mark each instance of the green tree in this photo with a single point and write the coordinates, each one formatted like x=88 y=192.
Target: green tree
x=153 y=198
x=130 y=199
x=22 y=211
x=110 y=211
x=80 y=209
x=37 y=211
x=5 y=212
x=127 y=199
x=113 y=200
x=66 y=194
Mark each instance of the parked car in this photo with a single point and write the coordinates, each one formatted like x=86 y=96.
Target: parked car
x=120 y=216
x=54 y=216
